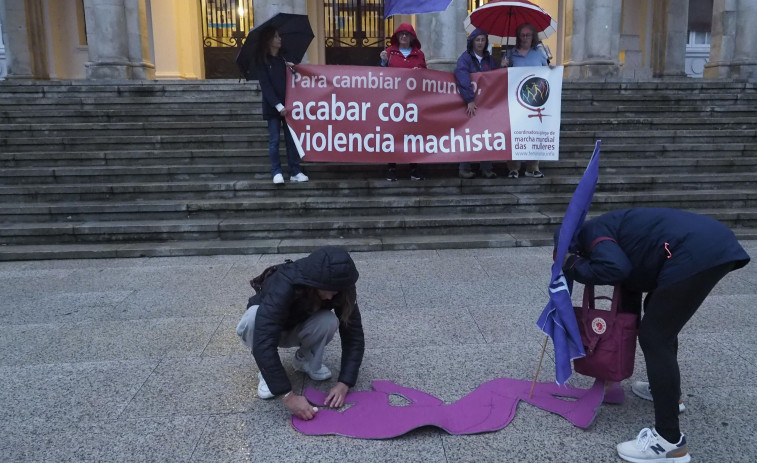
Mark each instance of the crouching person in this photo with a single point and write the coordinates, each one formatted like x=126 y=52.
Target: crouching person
x=302 y=304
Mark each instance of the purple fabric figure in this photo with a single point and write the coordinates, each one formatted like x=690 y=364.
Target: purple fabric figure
x=489 y=407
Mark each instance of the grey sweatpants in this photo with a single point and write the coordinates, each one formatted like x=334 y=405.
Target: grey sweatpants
x=311 y=336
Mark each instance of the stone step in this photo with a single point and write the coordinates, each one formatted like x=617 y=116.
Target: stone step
x=231 y=117
x=330 y=206
x=251 y=112
x=591 y=87
x=288 y=246
x=260 y=140
x=43 y=131
x=349 y=187
x=317 y=227
x=639 y=153
x=257 y=167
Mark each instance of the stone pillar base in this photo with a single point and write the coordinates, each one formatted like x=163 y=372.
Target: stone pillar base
x=441 y=64
x=101 y=70
x=120 y=71
x=591 y=69
x=744 y=69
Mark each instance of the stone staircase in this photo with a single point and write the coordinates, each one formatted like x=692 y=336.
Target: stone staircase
x=160 y=168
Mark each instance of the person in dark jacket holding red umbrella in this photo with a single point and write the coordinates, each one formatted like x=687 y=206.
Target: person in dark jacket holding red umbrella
x=404 y=51
x=302 y=304
x=677 y=258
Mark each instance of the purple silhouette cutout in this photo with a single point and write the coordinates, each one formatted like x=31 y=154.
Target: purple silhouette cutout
x=489 y=407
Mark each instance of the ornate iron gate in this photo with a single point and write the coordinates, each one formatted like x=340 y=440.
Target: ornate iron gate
x=356 y=31
x=225 y=25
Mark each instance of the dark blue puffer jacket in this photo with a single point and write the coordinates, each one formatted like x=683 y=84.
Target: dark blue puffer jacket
x=283 y=306
x=653 y=248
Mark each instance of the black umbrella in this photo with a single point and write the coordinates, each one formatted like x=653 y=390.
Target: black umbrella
x=296 y=35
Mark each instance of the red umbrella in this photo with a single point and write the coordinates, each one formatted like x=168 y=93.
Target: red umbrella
x=500 y=19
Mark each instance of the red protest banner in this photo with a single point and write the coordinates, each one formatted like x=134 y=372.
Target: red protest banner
x=375 y=114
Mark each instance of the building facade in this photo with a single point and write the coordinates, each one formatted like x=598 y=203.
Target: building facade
x=199 y=39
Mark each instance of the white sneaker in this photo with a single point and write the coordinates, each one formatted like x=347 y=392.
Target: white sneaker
x=642 y=389
x=300 y=364
x=651 y=447
x=263 y=391
x=278 y=179
x=299 y=178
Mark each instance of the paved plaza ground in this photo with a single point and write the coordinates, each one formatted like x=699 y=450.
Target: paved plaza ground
x=137 y=360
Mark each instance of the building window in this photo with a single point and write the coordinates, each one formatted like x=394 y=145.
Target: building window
x=698 y=38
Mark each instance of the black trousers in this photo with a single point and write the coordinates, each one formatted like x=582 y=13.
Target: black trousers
x=666 y=311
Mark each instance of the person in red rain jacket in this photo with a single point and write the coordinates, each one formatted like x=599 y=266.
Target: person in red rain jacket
x=404 y=52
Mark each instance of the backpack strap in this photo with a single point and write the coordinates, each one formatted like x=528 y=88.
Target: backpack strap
x=257 y=282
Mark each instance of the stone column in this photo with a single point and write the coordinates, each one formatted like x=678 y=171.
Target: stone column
x=733 y=49
x=443 y=35
x=3 y=66
x=115 y=31
x=263 y=10
x=670 y=20
x=592 y=38
x=16 y=38
x=107 y=39
x=137 y=40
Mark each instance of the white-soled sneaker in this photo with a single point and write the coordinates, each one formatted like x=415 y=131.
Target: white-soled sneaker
x=650 y=447
x=299 y=178
x=278 y=179
x=263 y=391
x=300 y=364
x=642 y=389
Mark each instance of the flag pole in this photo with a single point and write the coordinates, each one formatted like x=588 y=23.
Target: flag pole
x=538 y=367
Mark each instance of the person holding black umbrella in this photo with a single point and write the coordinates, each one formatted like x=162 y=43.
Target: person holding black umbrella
x=271 y=72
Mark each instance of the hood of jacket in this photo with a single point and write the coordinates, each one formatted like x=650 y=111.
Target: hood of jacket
x=476 y=32
x=329 y=268
x=405 y=27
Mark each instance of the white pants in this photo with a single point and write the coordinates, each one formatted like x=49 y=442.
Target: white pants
x=311 y=336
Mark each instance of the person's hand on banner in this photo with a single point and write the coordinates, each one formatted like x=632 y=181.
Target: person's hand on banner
x=384 y=57
x=471 y=109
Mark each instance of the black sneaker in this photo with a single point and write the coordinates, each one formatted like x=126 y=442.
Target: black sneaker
x=415 y=174
x=488 y=174
x=391 y=174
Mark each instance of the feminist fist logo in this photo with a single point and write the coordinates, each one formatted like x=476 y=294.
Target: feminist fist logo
x=532 y=94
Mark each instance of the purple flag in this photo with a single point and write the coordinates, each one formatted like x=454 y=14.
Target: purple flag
x=558 y=321
x=392 y=7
